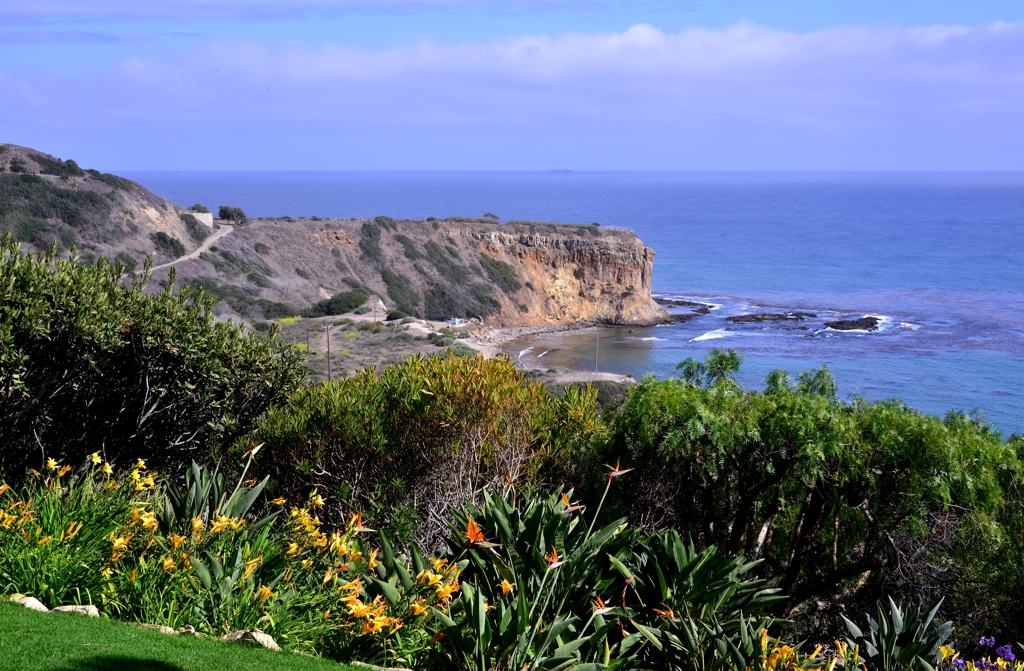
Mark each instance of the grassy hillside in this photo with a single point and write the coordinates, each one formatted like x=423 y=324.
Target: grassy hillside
x=31 y=641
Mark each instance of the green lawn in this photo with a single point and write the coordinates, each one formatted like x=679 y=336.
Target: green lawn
x=31 y=641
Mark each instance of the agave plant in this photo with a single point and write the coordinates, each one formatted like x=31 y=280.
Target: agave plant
x=697 y=611
x=533 y=594
x=205 y=498
x=900 y=640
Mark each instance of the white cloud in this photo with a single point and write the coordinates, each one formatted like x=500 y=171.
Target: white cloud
x=742 y=97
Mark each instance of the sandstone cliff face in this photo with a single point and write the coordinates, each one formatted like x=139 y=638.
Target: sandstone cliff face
x=601 y=276
x=520 y=274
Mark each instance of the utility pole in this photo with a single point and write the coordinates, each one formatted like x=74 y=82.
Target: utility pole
x=597 y=348
x=328 y=352
x=307 y=342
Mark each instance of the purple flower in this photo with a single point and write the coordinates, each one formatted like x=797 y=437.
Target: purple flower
x=985 y=665
x=1005 y=653
x=987 y=642
x=959 y=663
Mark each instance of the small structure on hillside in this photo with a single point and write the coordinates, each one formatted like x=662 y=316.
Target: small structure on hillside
x=204 y=218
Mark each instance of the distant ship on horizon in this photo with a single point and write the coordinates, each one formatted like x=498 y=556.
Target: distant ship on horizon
x=562 y=170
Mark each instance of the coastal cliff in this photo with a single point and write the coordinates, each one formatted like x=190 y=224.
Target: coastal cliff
x=505 y=275
x=516 y=274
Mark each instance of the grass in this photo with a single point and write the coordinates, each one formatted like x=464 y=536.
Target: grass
x=31 y=641
x=286 y=321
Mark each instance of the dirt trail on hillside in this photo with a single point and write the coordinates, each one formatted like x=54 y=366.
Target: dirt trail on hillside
x=217 y=235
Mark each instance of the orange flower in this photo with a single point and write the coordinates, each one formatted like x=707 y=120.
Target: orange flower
x=278 y=502
x=552 y=559
x=4 y=488
x=264 y=593
x=417 y=608
x=666 y=614
x=64 y=470
x=44 y=540
x=617 y=470
x=505 y=586
x=177 y=540
x=473 y=532
x=599 y=606
x=569 y=507
x=168 y=563
x=444 y=592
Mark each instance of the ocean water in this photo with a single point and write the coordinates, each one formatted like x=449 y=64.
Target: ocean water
x=938 y=258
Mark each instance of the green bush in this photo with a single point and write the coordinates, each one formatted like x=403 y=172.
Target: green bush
x=393 y=445
x=111 y=180
x=401 y=291
x=362 y=310
x=259 y=280
x=501 y=273
x=261 y=248
x=834 y=496
x=339 y=304
x=126 y=260
x=199 y=207
x=49 y=166
x=393 y=315
x=462 y=349
x=88 y=364
x=303 y=274
x=167 y=244
x=230 y=213
x=196 y=230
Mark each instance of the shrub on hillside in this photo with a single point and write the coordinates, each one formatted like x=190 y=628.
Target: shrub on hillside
x=196 y=230
x=839 y=498
x=126 y=260
x=199 y=207
x=406 y=446
x=88 y=364
x=230 y=213
x=339 y=304
x=167 y=244
x=501 y=273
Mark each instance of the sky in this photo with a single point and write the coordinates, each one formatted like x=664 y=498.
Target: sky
x=764 y=85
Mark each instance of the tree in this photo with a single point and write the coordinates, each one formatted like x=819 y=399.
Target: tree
x=231 y=213
x=842 y=500
x=89 y=364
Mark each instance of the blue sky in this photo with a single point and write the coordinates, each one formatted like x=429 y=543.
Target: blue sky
x=522 y=85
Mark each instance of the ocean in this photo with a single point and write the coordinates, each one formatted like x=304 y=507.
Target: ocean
x=937 y=258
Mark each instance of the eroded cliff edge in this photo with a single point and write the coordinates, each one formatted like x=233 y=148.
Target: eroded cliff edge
x=506 y=275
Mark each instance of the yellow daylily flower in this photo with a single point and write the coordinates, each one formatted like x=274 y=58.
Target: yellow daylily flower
x=95 y=458
x=52 y=464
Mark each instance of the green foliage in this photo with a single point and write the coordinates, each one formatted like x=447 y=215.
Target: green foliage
x=393 y=315
x=40 y=211
x=49 y=166
x=462 y=349
x=400 y=289
x=410 y=247
x=423 y=436
x=54 y=534
x=231 y=213
x=126 y=260
x=362 y=310
x=88 y=364
x=242 y=301
x=339 y=304
x=196 y=230
x=369 y=242
x=167 y=244
x=838 y=498
x=448 y=269
x=261 y=248
x=112 y=181
x=303 y=274
x=199 y=207
x=900 y=639
x=711 y=615
x=528 y=592
x=464 y=302
x=501 y=273
x=386 y=223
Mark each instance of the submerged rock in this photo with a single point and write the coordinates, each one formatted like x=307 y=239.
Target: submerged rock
x=862 y=324
x=770 y=317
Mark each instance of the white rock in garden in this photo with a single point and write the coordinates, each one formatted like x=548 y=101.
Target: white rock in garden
x=252 y=636
x=188 y=629
x=87 y=610
x=30 y=602
x=163 y=629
